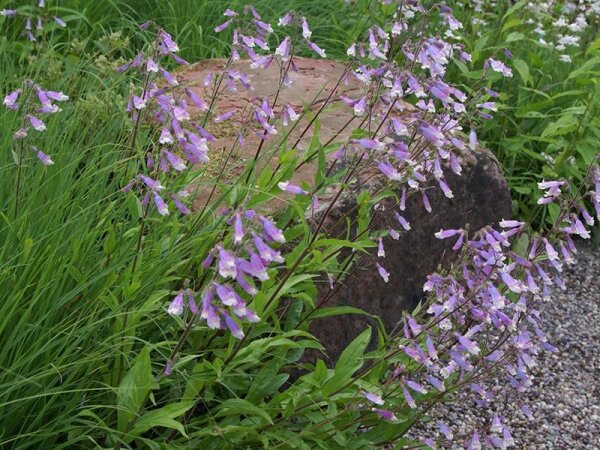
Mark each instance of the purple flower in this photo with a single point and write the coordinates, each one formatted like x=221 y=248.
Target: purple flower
x=168 y=367
x=175 y=161
x=57 y=96
x=238 y=229
x=234 y=328
x=403 y=222
x=225 y=116
x=383 y=273
x=10 y=101
x=426 y=202
x=161 y=206
x=283 y=49
x=432 y=134
x=45 y=159
x=468 y=344
x=59 y=21
x=445 y=234
x=208 y=311
x=385 y=413
x=507 y=437
x=21 y=133
x=169 y=78
x=306 y=33
x=416 y=387
x=8 y=12
x=373 y=398
x=389 y=171
x=271 y=231
x=315 y=48
x=286 y=20
x=436 y=383
x=525 y=409
x=266 y=252
x=138 y=102
x=179 y=205
x=196 y=100
x=286 y=186
x=244 y=284
x=472 y=139
x=263 y=26
x=255 y=268
x=511 y=224
x=176 y=306
x=446 y=431
x=168 y=42
x=36 y=123
x=192 y=302
x=488 y=105
x=227 y=295
x=409 y=400
x=223 y=26
x=152 y=184
x=165 y=137
x=474 y=443
x=499 y=67
x=227 y=266
x=496 y=424
x=380 y=250
x=371 y=144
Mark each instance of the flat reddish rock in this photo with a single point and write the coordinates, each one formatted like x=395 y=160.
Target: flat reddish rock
x=312 y=85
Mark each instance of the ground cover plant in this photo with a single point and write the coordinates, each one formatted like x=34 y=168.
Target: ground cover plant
x=134 y=317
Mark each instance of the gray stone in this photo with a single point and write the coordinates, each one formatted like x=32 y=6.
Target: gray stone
x=481 y=197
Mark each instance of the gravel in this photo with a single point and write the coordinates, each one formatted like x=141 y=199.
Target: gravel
x=565 y=396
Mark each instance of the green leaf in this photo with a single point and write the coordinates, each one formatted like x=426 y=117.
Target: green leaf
x=565 y=124
x=134 y=388
x=350 y=361
x=523 y=69
x=513 y=8
x=238 y=406
x=337 y=311
x=585 y=67
x=514 y=36
x=163 y=417
x=511 y=24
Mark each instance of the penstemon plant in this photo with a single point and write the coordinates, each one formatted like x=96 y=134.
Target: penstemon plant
x=35 y=18
x=205 y=350
x=27 y=101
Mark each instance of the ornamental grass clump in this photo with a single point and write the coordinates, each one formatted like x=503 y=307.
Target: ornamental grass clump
x=182 y=326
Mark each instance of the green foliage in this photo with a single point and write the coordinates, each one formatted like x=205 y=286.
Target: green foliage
x=548 y=126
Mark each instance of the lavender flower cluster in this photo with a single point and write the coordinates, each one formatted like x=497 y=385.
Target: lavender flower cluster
x=38 y=18
x=29 y=101
x=253 y=236
x=485 y=316
x=180 y=139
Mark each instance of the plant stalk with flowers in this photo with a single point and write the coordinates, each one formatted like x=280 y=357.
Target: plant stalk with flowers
x=28 y=102
x=205 y=310
x=35 y=18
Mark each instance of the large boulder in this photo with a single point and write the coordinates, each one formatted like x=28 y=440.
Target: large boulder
x=481 y=196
